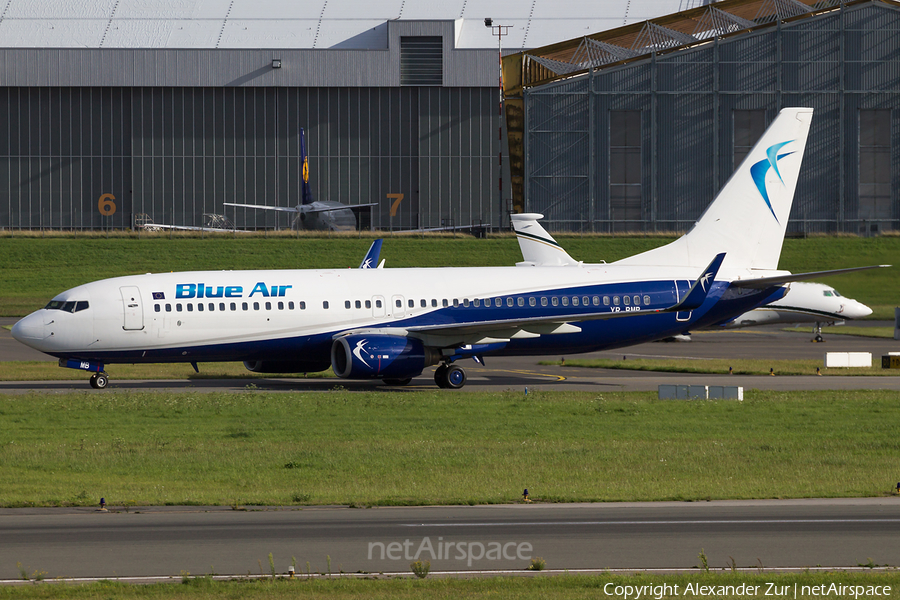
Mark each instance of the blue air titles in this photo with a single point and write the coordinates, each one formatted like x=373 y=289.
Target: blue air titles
x=201 y=290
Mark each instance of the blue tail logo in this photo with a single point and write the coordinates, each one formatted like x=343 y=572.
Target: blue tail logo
x=759 y=171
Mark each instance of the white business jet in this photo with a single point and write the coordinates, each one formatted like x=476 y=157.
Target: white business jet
x=391 y=324
x=815 y=303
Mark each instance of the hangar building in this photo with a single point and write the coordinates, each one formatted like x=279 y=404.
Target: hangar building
x=636 y=128
x=115 y=109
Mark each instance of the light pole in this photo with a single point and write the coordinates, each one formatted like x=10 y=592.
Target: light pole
x=499 y=31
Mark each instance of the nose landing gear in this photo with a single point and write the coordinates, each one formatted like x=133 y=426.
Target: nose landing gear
x=99 y=381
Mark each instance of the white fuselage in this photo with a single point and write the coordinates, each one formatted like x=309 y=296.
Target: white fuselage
x=804 y=303
x=246 y=315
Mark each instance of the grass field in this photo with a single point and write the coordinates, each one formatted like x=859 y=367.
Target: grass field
x=34 y=269
x=381 y=448
x=721 y=366
x=561 y=587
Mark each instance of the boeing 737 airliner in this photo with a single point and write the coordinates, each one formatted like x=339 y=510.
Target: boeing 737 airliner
x=391 y=324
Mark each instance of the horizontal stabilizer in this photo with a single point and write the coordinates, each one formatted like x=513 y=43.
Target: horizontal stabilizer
x=765 y=282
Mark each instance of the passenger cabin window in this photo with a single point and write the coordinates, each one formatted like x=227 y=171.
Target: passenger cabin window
x=412 y=303
x=302 y=305
x=346 y=304
x=368 y=304
x=423 y=303
x=200 y=306
x=325 y=304
x=378 y=304
x=269 y=306
x=358 y=304
x=281 y=306
x=497 y=302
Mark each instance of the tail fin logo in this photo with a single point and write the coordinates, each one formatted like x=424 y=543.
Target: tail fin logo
x=759 y=171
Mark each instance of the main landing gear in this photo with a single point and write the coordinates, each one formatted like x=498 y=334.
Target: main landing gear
x=450 y=376
x=99 y=381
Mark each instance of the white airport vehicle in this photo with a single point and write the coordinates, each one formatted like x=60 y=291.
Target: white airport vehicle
x=391 y=324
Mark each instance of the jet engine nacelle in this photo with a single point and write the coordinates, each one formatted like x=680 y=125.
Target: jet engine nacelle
x=285 y=366
x=379 y=357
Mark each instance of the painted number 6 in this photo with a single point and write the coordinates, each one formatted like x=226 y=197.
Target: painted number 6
x=106 y=205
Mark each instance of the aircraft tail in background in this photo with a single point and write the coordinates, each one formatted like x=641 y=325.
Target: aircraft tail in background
x=538 y=247
x=306 y=197
x=748 y=218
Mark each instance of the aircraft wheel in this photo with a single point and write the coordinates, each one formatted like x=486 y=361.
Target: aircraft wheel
x=397 y=381
x=456 y=377
x=440 y=376
x=99 y=381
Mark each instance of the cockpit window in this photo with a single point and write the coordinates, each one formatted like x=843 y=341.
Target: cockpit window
x=827 y=293
x=68 y=306
x=835 y=292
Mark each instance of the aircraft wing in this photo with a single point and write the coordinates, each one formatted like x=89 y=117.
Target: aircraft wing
x=152 y=226
x=447 y=228
x=278 y=208
x=353 y=207
x=765 y=282
x=503 y=330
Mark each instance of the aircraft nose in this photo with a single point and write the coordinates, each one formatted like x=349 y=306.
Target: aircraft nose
x=28 y=328
x=858 y=310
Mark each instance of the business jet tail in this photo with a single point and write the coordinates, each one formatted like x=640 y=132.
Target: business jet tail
x=748 y=218
x=538 y=247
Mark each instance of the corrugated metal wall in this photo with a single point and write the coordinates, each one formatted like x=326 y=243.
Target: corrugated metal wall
x=175 y=153
x=839 y=63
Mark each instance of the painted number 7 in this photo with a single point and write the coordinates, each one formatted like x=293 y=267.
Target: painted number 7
x=396 y=203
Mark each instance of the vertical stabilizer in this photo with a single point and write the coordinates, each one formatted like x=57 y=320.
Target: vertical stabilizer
x=306 y=196
x=539 y=249
x=748 y=218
